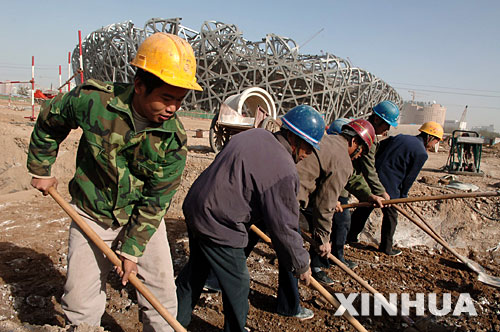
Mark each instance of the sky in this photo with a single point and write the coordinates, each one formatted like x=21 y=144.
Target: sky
x=445 y=51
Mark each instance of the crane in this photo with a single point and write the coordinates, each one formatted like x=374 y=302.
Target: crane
x=462 y=124
x=312 y=37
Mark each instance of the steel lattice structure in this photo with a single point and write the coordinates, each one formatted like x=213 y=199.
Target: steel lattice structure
x=228 y=63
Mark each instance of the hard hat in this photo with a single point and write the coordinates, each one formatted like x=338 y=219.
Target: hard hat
x=432 y=128
x=364 y=129
x=305 y=122
x=387 y=111
x=170 y=58
x=336 y=126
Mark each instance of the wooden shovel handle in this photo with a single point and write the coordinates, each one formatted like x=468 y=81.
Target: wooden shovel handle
x=329 y=297
x=356 y=277
x=424 y=198
x=317 y=286
x=428 y=230
x=141 y=288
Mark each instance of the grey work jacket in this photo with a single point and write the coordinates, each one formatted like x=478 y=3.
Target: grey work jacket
x=252 y=179
x=322 y=177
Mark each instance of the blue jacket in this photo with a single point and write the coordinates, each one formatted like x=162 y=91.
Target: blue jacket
x=398 y=162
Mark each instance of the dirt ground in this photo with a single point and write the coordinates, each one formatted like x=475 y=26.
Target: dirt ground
x=34 y=231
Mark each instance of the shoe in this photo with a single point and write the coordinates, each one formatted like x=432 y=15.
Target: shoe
x=211 y=288
x=304 y=314
x=350 y=264
x=393 y=252
x=352 y=241
x=322 y=278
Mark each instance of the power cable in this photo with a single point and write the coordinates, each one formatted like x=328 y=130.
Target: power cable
x=453 y=93
x=445 y=87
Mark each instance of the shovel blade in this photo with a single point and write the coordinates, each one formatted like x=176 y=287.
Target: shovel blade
x=489 y=280
x=482 y=275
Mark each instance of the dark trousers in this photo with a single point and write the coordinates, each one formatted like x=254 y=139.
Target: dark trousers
x=288 y=300
x=358 y=222
x=389 y=223
x=340 y=228
x=229 y=266
x=316 y=260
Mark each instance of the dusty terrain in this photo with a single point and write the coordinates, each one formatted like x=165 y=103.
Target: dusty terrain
x=33 y=245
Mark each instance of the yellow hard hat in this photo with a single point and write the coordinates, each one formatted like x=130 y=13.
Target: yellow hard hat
x=432 y=128
x=170 y=58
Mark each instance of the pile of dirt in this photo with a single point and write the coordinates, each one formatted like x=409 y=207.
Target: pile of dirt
x=33 y=246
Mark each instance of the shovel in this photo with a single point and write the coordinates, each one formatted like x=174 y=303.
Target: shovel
x=317 y=286
x=425 y=198
x=360 y=280
x=134 y=280
x=482 y=275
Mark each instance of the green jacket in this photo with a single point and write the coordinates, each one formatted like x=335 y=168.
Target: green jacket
x=123 y=177
x=364 y=180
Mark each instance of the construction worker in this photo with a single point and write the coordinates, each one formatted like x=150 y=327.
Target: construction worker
x=398 y=162
x=364 y=183
x=253 y=179
x=128 y=167
x=322 y=178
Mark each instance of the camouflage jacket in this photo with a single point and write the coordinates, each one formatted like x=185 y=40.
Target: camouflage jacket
x=123 y=177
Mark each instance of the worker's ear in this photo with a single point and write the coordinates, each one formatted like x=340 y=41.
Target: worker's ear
x=353 y=141
x=292 y=139
x=139 y=87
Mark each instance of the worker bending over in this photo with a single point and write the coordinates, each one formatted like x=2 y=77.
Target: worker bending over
x=252 y=179
x=322 y=178
x=364 y=184
x=398 y=162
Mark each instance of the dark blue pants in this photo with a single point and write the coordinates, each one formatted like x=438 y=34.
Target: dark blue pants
x=389 y=223
x=316 y=260
x=340 y=228
x=358 y=222
x=288 y=300
x=229 y=266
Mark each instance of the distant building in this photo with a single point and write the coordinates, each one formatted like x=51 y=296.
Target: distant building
x=418 y=113
x=6 y=88
x=490 y=128
x=451 y=125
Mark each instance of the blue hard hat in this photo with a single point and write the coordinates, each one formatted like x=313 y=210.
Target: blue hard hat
x=305 y=122
x=336 y=126
x=387 y=111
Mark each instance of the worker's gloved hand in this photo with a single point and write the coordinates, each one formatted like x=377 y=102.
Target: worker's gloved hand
x=126 y=269
x=338 y=207
x=306 y=277
x=376 y=200
x=325 y=249
x=43 y=184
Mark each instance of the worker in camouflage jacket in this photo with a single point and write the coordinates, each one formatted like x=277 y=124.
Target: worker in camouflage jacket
x=129 y=163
